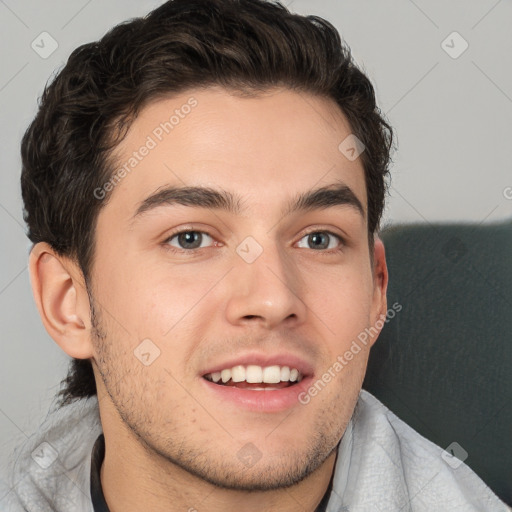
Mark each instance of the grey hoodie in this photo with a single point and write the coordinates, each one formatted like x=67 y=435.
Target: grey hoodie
x=382 y=465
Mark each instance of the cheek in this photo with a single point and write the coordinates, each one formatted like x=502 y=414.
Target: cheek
x=341 y=301
x=153 y=300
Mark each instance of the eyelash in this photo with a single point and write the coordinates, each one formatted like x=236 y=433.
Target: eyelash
x=192 y=252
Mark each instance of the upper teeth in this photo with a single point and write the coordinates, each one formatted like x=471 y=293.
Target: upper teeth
x=255 y=374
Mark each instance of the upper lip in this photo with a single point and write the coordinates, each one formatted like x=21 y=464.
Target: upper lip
x=261 y=359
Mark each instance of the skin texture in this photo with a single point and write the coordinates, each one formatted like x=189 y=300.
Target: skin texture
x=171 y=444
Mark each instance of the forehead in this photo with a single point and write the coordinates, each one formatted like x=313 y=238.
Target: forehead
x=266 y=148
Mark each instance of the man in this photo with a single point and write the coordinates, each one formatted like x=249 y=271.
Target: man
x=203 y=188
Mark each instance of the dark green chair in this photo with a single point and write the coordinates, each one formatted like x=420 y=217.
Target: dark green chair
x=443 y=364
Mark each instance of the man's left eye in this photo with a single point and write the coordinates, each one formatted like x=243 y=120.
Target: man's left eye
x=321 y=240
x=190 y=240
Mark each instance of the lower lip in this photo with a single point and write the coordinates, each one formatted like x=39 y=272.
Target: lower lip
x=274 y=400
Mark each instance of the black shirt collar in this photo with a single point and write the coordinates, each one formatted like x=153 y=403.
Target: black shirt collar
x=98 y=454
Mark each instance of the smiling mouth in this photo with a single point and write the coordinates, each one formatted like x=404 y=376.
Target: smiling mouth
x=256 y=378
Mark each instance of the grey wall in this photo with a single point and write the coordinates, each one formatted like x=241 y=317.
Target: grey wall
x=452 y=116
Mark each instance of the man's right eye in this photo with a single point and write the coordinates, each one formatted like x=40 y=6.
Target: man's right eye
x=189 y=240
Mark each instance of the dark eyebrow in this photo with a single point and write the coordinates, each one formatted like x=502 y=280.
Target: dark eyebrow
x=199 y=197
x=325 y=197
x=206 y=197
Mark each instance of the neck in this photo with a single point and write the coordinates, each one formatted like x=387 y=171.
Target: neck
x=132 y=484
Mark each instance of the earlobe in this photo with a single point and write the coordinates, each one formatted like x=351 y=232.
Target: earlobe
x=61 y=299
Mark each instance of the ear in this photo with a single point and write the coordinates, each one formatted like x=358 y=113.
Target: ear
x=380 y=286
x=61 y=298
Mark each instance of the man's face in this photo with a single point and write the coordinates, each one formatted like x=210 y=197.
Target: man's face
x=265 y=282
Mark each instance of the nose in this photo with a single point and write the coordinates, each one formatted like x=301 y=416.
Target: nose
x=266 y=291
